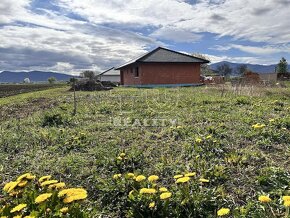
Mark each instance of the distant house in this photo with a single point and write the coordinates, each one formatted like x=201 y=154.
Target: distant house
x=111 y=75
x=162 y=67
x=212 y=79
x=26 y=80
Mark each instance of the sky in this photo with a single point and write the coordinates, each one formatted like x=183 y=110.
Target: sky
x=70 y=36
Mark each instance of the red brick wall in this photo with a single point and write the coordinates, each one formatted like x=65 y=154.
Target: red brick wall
x=163 y=73
x=128 y=77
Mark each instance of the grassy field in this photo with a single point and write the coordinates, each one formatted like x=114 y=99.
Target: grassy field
x=237 y=140
x=15 y=89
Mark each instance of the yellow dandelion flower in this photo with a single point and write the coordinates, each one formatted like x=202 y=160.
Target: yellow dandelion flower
x=18 y=216
x=258 y=126
x=43 y=197
x=264 y=199
x=209 y=137
x=190 y=174
x=163 y=189
x=28 y=176
x=152 y=205
x=10 y=186
x=165 y=195
x=76 y=197
x=182 y=180
x=22 y=183
x=178 y=176
x=44 y=178
x=64 y=210
x=48 y=182
x=153 y=178
x=286 y=198
x=71 y=192
x=117 y=176
x=7 y=186
x=119 y=158
x=223 y=211
x=29 y=217
x=147 y=191
x=59 y=185
x=198 y=140
x=18 y=208
x=286 y=203
x=140 y=178
x=204 y=180
x=130 y=175
x=122 y=155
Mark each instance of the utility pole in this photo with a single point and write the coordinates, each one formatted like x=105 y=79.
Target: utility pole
x=75 y=100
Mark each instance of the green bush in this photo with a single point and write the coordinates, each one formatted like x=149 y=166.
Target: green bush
x=54 y=119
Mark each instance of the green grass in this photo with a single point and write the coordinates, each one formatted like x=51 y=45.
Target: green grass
x=240 y=161
x=24 y=97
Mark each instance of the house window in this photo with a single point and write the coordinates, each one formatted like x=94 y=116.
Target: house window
x=136 y=72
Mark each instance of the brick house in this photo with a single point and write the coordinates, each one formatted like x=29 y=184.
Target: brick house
x=162 y=67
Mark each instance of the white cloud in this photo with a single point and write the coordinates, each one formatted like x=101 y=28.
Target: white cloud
x=241 y=59
x=51 y=48
x=63 y=67
x=266 y=50
x=149 y=12
x=260 y=20
x=221 y=47
x=262 y=50
x=11 y=10
x=176 y=35
x=55 y=40
x=235 y=59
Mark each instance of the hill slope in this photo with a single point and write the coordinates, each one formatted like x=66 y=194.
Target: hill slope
x=34 y=76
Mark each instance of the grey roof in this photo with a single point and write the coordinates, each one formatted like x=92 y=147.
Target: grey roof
x=110 y=72
x=164 y=55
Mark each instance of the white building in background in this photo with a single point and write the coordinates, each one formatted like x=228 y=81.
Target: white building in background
x=111 y=75
x=26 y=80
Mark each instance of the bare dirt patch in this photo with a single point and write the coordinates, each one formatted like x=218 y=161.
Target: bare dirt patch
x=22 y=110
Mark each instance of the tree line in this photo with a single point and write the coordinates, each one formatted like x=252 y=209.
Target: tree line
x=226 y=70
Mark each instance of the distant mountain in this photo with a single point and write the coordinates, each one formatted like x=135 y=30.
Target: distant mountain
x=253 y=67
x=34 y=76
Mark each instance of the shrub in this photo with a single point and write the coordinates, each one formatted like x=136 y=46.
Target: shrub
x=54 y=119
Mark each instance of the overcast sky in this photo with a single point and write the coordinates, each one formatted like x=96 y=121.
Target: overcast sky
x=73 y=35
